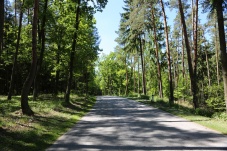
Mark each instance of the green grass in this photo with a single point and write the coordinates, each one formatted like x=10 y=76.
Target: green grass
x=186 y=111
x=52 y=119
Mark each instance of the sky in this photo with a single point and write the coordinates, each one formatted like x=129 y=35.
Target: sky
x=107 y=23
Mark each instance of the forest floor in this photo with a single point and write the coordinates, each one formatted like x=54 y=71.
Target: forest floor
x=52 y=119
x=117 y=123
x=185 y=110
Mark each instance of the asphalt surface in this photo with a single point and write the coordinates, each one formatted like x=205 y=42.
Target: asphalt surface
x=118 y=124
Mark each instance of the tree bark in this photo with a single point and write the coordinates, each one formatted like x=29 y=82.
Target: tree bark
x=191 y=73
x=126 y=76
x=28 y=82
x=2 y=13
x=72 y=54
x=142 y=63
x=157 y=56
x=40 y=61
x=15 y=55
x=171 y=97
x=222 y=41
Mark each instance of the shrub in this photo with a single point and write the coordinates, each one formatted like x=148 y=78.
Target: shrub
x=204 y=112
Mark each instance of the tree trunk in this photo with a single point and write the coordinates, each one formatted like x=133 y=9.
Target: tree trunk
x=208 y=67
x=193 y=82
x=40 y=61
x=222 y=41
x=142 y=63
x=157 y=57
x=2 y=13
x=15 y=55
x=171 y=97
x=195 y=41
x=72 y=54
x=217 y=48
x=28 y=82
x=126 y=76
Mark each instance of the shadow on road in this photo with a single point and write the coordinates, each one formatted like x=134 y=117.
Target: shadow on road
x=120 y=124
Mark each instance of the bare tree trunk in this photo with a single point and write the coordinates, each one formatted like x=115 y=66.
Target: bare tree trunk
x=40 y=61
x=126 y=76
x=28 y=82
x=142 y=63
x=217 y=48
x=193 y=81
x=222 y=41
x=171 y=90
x=157 y=57
x=15 y=55
x=208 y=68
x=72 y=54
x=2 y=13
x=195 y=39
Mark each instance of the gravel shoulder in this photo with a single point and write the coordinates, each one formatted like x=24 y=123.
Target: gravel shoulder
x=117 y=123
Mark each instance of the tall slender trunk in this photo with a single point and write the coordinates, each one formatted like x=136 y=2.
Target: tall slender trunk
x=28 y=82
x=57 y=71
x=191 y=73
x=171 y=90
x=138 y=74
x=72 y=54
x=195 y=41
x=157 y=57
x=40 y=61
x=222 y=42
x=126 y=76
x=2 y=13
x=134 y=76
x=15 y=55
x=217 y=48
x=208 y=67
x=142 y=63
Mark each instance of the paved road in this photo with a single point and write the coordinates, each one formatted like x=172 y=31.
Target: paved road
x=118 y=124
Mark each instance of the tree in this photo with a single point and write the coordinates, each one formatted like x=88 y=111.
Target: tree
x=2 y=12
x=28 y=82
x=16 y=54
x=219 y=9
x=171 y=98
x=72 y=53
x=188 y=50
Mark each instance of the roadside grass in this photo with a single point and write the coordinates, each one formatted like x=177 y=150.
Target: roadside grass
x=185 y=110
x=53 y=117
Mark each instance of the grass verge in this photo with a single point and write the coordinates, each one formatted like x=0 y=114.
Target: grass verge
x=188 y=113
x=52 y=119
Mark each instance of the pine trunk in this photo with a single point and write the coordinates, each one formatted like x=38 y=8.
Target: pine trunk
x=142 y=63
x=2 y=13
x=28 y=82
x=222 y=41
x=157 y=57
x=15 y=56
x=193 y=82
x=171 y=97
x=72 y=54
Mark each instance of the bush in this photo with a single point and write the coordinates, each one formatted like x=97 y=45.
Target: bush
x=145 y=97
x=204 y=112
x=220 y=116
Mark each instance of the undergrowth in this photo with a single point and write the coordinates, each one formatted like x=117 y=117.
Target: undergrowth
x=53 y=117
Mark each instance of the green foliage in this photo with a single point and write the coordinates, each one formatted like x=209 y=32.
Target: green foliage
x=52 y=119
x=220 y=116
x=215 y=97
x=204 y=112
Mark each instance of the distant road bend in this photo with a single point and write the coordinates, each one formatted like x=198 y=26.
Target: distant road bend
x=119 y=124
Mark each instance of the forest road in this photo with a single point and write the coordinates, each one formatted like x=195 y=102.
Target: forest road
x=119 y=124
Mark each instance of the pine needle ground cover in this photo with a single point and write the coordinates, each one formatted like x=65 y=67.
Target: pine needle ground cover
x=185 y=110
x=52 y=119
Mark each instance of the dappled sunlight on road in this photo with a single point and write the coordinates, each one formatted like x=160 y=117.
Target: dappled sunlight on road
x=120 y=124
